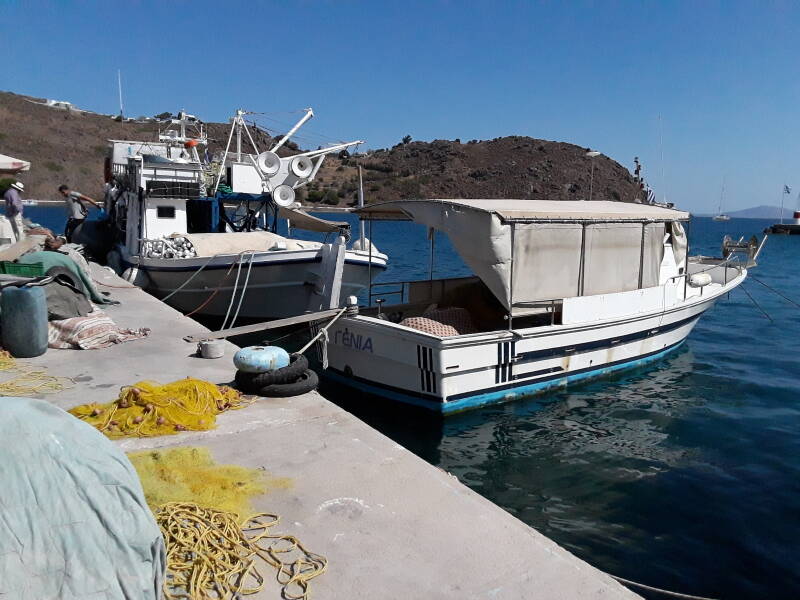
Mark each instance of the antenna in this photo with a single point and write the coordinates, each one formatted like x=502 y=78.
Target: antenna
x=661 y=146
x=119 y=84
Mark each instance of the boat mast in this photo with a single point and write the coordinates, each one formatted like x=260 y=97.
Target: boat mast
x=238 y=121
x=361 y=225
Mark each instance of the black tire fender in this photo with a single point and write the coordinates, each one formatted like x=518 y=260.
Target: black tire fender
x=307 y=381
x=252 y=381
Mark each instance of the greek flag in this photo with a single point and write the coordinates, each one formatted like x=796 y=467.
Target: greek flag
x=787 y=189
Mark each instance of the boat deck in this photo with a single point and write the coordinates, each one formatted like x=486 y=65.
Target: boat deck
x=390 y=524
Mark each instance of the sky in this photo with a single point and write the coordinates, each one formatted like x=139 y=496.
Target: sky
x=703 y=92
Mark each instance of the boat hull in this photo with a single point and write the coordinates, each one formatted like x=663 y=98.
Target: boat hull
x=449 y=375
x=279 y=285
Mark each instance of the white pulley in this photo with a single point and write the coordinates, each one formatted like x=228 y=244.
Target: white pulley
x=283 y=195
x=269 y=163
x=301 y=166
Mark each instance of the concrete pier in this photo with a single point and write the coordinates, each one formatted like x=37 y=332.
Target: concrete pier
x=390 y=524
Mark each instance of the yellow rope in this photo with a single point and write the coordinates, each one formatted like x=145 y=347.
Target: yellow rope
x=30 y=381
x=210 y=556
x=148 y=409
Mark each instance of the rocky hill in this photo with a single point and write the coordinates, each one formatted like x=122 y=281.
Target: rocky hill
x=66 y=146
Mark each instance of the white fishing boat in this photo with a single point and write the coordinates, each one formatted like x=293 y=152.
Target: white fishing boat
x=562 y=291
x=175 y=239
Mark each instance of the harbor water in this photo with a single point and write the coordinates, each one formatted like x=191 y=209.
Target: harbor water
x=684 y=474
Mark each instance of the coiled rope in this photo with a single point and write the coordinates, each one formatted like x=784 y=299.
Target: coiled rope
x=209 y=556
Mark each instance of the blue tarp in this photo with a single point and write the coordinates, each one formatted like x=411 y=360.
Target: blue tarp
x=74 y=523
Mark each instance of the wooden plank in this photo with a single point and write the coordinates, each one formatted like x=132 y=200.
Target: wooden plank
x=256 y=327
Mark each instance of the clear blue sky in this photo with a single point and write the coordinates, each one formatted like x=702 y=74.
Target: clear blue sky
x=723 y=76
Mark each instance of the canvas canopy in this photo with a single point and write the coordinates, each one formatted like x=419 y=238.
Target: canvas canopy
x=535 y=210
x=529 y=251
x=10 y=165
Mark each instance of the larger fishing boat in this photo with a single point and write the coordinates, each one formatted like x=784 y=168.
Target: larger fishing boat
x=562 y=291
x=201 y=233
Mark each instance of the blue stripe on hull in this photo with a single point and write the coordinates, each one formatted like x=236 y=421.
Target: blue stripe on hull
x=506 y=395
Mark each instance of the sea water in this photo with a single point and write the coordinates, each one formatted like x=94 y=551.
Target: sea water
x=684 y=474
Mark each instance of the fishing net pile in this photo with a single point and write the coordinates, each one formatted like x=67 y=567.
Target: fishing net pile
x=28 y=380
x=215 y=544
x=189 y=473
x=149 y=409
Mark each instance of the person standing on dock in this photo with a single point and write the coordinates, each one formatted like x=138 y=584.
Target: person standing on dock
x=14 y=209
x=76 y=209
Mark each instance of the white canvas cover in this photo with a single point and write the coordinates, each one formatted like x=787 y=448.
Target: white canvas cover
x=679 y=242
x=533 y=210
x=478 y=237
x=9 y=164
x=212 y=244
x=612 y=258
x=74 y=523
x=653 y=253
x=547 y=254
x=547 y=261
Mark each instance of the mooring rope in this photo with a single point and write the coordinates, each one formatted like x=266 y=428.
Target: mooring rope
x=210 y=556
x=774 y=291
x=658 y=590
x=757 y=305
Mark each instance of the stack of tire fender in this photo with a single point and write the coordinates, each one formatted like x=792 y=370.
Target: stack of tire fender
x=270 y=371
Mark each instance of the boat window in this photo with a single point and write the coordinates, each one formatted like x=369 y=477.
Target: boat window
x=166 y=212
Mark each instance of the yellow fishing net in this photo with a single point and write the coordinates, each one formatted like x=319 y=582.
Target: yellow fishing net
x=148 y=409
x=31 y=381
x=213 y=539
x=189 y=474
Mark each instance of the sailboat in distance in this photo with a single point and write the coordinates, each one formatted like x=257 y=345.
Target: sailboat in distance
x=721 y=216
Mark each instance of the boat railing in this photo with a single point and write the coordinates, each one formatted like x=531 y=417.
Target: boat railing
x=418 y=291
x=402 y=292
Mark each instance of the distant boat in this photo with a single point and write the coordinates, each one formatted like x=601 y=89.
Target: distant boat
x=721 y=216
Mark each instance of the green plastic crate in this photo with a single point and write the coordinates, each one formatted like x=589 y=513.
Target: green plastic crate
x=12 y=268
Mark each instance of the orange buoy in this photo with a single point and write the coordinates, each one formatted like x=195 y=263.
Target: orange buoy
x=190 y=144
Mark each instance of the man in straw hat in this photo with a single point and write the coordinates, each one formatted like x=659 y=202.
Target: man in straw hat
x=14 y=209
